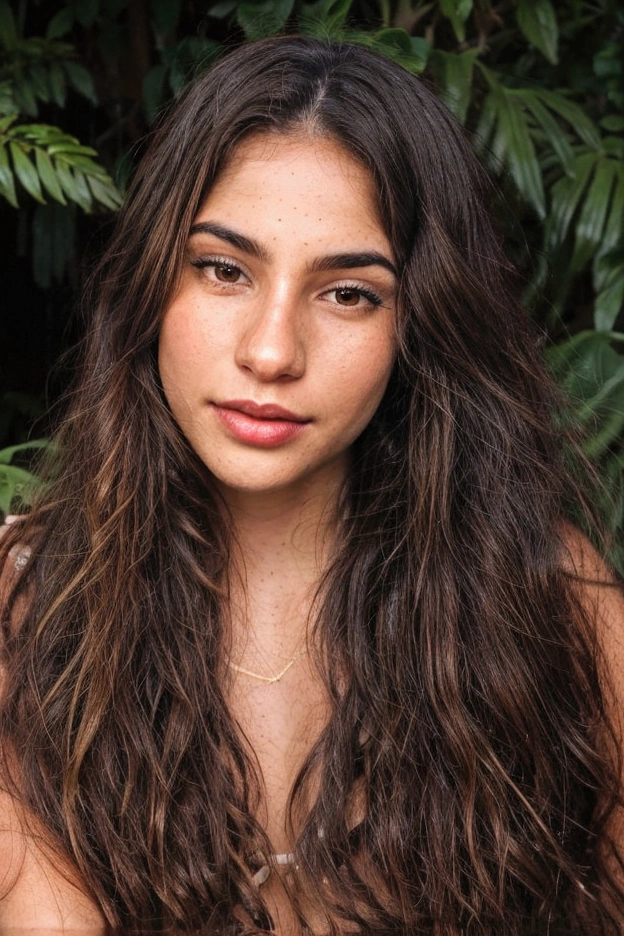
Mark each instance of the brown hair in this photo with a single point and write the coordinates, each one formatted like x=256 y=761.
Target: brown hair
x=466 y=702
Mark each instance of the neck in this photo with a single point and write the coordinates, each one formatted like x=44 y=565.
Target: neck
x=282 y=544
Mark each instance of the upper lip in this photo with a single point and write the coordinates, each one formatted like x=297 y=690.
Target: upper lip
x=261 y=410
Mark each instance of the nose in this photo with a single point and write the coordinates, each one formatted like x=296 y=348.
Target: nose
x=272 y=345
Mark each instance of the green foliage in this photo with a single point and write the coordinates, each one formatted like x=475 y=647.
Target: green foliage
x=17 y=484
x=40 y=160
x=51 y=164
x=591 y=371
x=538 y=22
x=44 y=160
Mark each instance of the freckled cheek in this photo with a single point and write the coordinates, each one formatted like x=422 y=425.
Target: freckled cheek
x=363 y=377
x=189 y=346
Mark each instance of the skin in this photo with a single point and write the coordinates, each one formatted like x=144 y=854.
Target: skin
x=276 y=328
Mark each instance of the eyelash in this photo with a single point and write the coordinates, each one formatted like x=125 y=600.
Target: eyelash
x=368 y=294
x=201 y=263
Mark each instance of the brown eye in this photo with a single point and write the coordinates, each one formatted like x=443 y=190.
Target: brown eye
x=227 y=274
x=348 y=297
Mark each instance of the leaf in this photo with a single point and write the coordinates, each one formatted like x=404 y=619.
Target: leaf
x=39 y=82
x=420 y=51
x=394 y=39
x=258 y=20
x=613 y=123
x=504 y=120
x=69 y=146
x=592 y=373
x=522 y=160
x=396 y=44
x=15 y=483
x=606 y=407
x=553 y=132
x=485 y=127
x=614 y=146
x=61 y=23
x=573 y=114
x=67 y=181
x=105 y=192
x=608 y=303
x=7 y=183
x=565 y=196
x=85 y=164
x=454 y=73
x=590 y=224
x=82 y=192
x=58 y=84
x=326 y=18
x=47 y=175
x=24 y=97
x=537 y=20
x=8 y=26
x=187 y=58
x=614 y=227
x=6 y=454
x=39 y=133
x=222 y=9
x=26 y=172
x=7 y=99
x=6 y=122
x=457 y=11
x=81 y=80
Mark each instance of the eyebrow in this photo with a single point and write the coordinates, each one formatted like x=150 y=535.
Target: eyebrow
x=342 y=261
x=246 y=244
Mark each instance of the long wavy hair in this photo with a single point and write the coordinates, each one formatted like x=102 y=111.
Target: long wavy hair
x=467 y=716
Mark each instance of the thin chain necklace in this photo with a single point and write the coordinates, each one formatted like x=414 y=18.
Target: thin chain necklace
x=266 y=679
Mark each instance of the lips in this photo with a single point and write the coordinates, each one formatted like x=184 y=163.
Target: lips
x=260 y=424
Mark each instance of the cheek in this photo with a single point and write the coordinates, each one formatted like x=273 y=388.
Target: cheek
x=366 y=377
x=184 y=348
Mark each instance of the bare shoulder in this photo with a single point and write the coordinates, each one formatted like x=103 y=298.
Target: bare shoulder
x=598 y=585
x=37 y=893
x=602 y=595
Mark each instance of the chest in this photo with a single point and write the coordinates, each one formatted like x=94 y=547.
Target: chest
x=280 y=723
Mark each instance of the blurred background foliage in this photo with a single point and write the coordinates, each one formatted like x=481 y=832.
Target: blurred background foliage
x=539 y=85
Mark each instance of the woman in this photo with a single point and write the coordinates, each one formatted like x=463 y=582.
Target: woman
x=299 y=637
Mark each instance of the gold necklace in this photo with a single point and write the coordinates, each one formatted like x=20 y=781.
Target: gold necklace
x=266 y=679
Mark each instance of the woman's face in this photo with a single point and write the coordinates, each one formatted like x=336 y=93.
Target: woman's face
x=277 y=348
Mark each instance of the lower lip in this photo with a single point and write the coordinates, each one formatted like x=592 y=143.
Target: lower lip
x=266 y=433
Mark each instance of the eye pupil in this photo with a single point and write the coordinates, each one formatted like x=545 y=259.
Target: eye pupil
x=348 y=296
x=227 y=274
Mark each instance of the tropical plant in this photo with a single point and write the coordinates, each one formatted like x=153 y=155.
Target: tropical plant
x=537 y=83
x=17 y=483
x=41 y=159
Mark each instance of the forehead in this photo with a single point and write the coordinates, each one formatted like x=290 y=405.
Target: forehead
x=296 y=183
